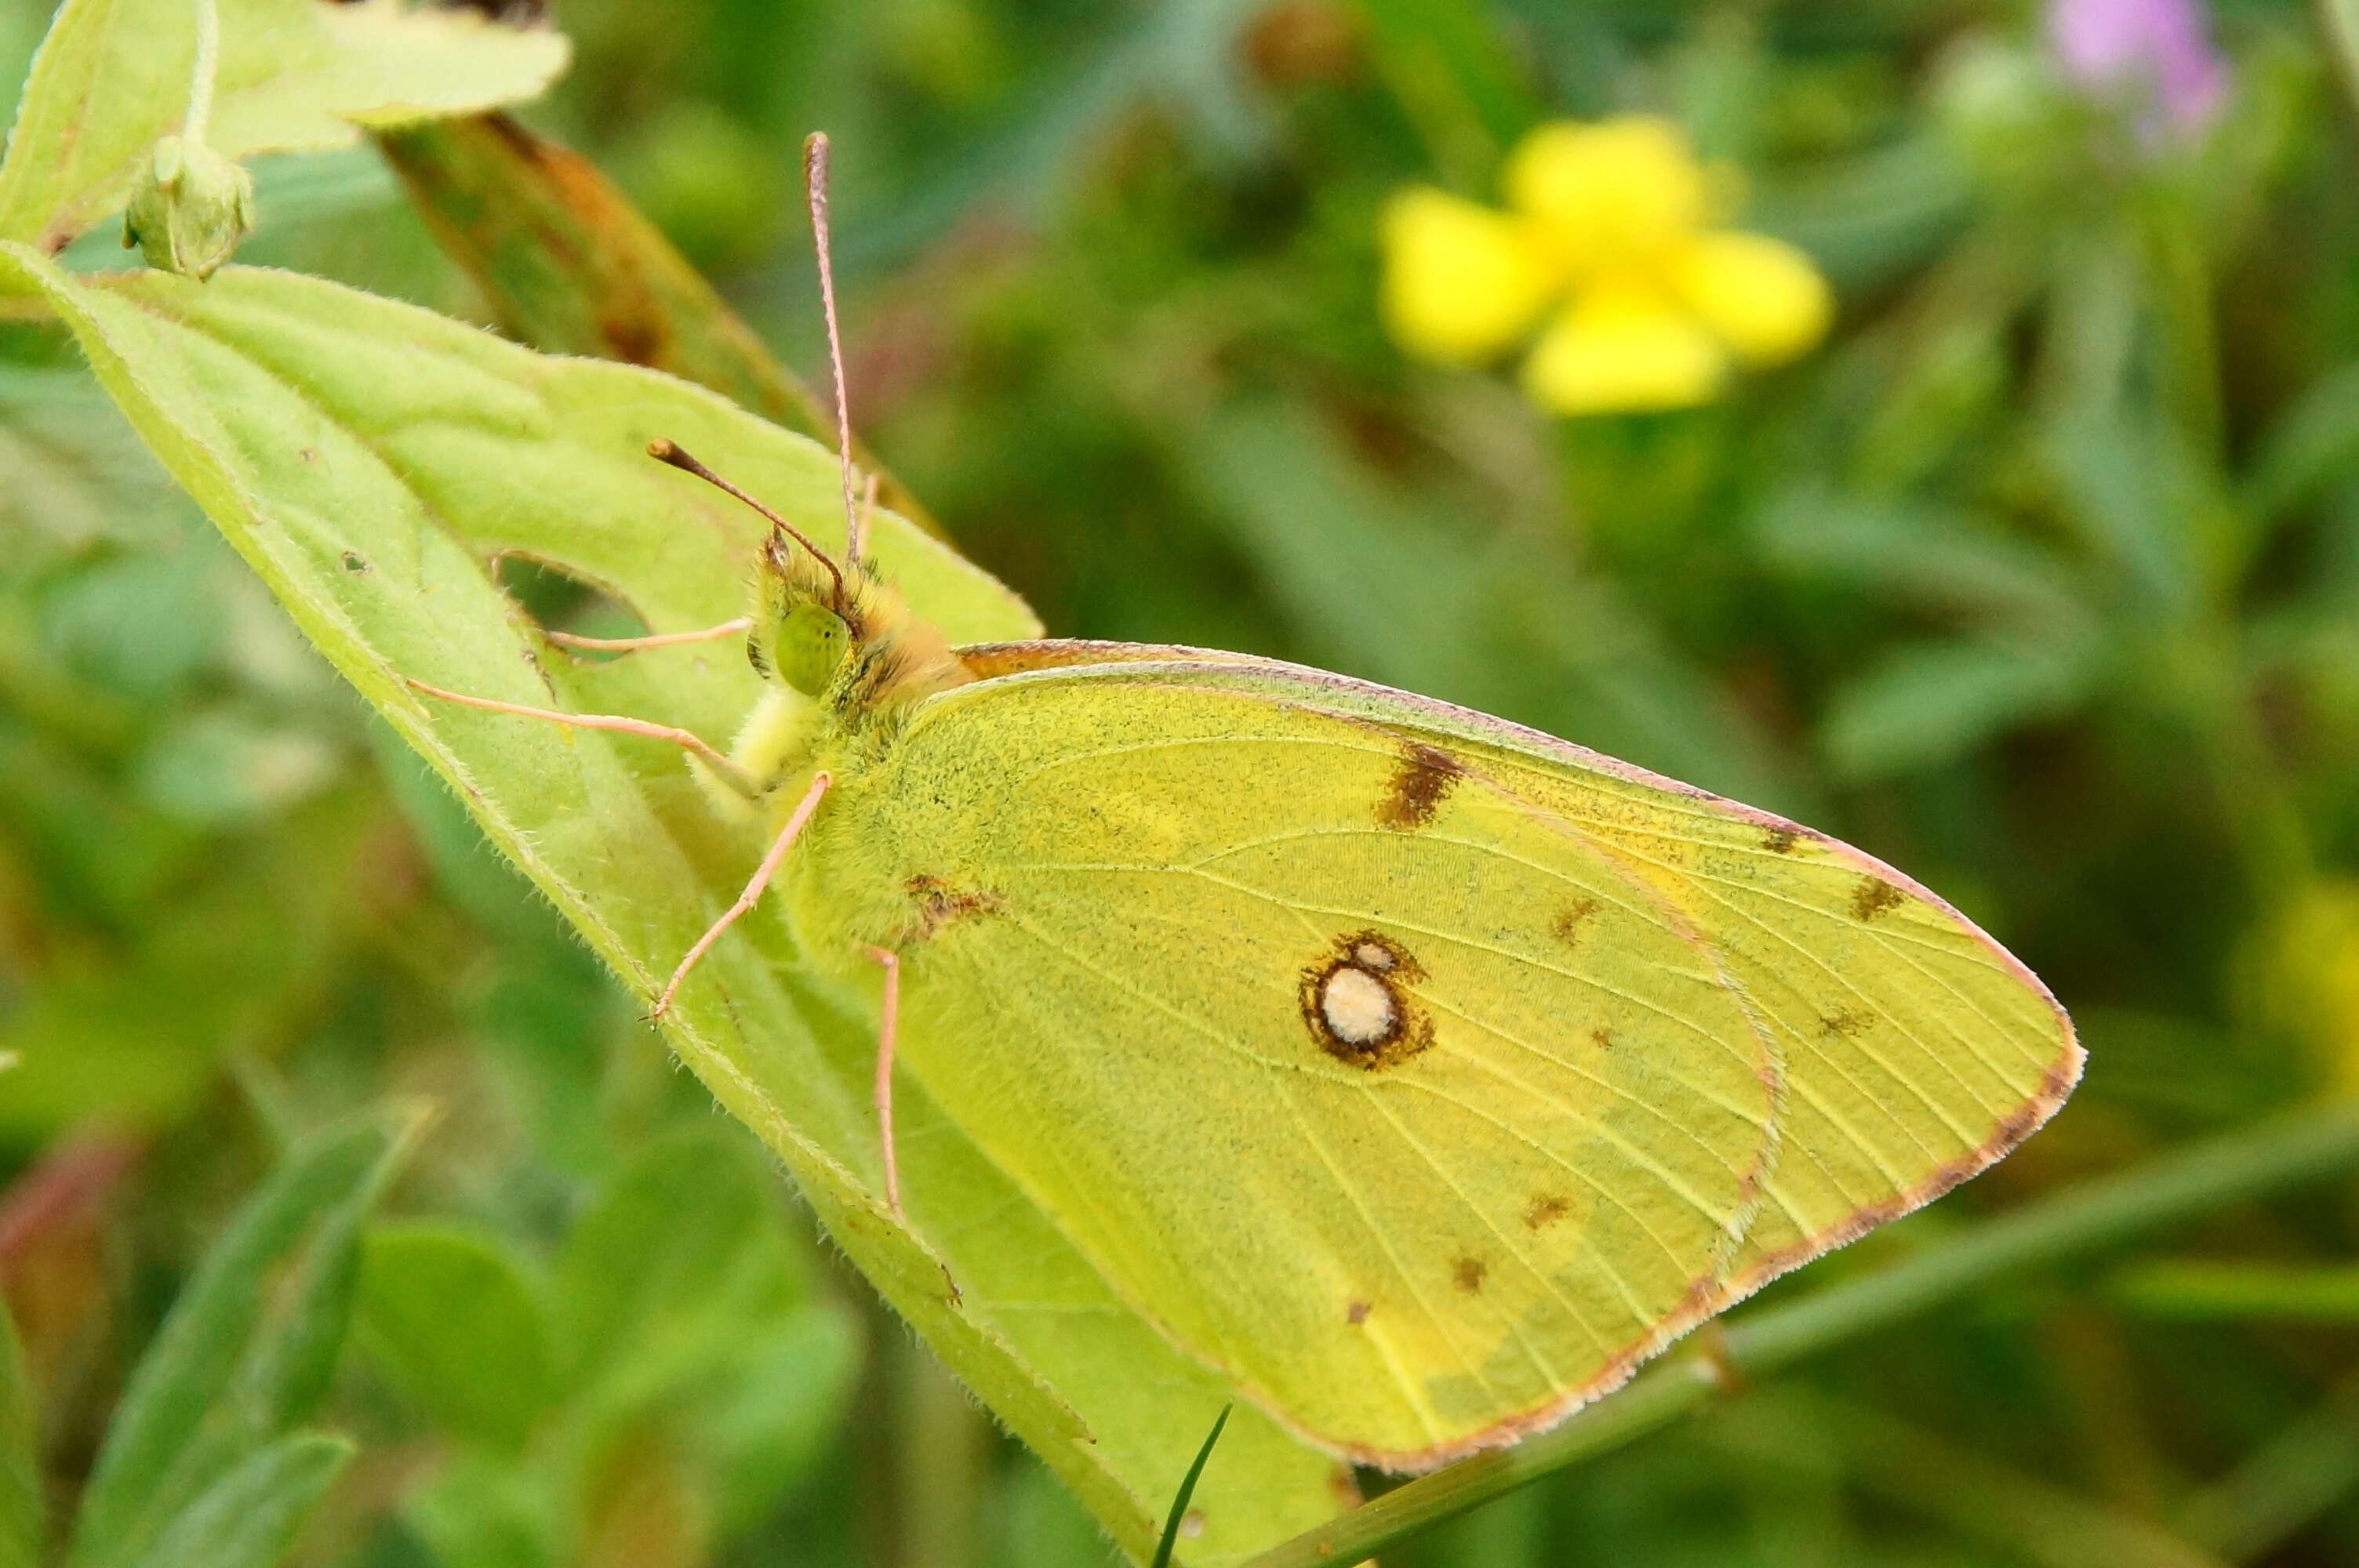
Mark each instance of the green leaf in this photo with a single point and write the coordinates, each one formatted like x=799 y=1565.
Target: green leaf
x=571 y=267
x=1929 y=702
x=483 y=1512
x=687 y=1237
x=367 y=458
x=113 y=77
x=453 y=1318
x=249 y=1517
x=248 y=1349
x=771 y=1408
x=20 y=1466
x=692 y=1331
x=1443 y=61
x=2313 y=445
x=1930 y=556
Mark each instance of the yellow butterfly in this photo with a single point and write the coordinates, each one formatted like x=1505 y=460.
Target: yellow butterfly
x=1421 y=1072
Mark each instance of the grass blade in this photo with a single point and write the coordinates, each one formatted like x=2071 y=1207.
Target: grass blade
x=1187 y=1490
x=248 y=1518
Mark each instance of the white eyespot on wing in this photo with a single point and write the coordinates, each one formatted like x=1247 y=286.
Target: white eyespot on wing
x=1373 y=956
x=1358 y=1007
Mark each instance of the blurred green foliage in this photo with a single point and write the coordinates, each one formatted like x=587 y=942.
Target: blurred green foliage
x=2040 y=580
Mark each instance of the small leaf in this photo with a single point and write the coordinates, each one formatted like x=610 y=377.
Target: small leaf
x=480 y=1511
x=1932 y=557
x=2313 y=444
x=249 y=1347
x=20 y=1470
x=1930 y=702
x=1446 y=65
x=454 y=1321
x=248 y=1518
x=685 y=1240
x=771 y=1408
x=2136 y=497
x=112 y=79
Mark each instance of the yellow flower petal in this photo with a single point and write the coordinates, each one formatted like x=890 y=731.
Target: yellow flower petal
x=1461 y=282
x=1608 y=192
x=1763 y=297
x=1622 y=347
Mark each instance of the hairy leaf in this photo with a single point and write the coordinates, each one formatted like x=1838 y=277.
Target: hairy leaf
x=369 y=460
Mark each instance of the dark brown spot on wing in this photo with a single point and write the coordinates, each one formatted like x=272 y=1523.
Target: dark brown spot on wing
x=1778 y=840
x=1424 y=777
x=1571 y=927
x=1546 y=1209
x=1850 y=1025
x=1468 y=1274
x=1603 y=1038
x=936 y=904
x=1357 y=1312
x=1874 y=896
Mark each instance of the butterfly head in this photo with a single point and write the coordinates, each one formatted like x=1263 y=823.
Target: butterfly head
x=806 y=616
x=842 y=634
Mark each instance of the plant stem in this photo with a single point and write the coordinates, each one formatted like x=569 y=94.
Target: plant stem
x=201 y=80
x=2082 y=1220
x=2340 y=21
x=944 y=1447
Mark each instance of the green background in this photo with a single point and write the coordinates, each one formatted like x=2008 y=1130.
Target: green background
x=2041 y=579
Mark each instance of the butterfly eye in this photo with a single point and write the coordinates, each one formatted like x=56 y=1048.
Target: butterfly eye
x=808 y=647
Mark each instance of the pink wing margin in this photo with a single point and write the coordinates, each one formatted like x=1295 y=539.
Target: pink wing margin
x=1408 y=713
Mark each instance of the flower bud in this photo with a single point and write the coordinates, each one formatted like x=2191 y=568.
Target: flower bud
x=190 y=208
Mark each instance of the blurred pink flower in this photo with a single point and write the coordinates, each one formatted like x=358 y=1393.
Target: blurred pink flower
x=2159 y=49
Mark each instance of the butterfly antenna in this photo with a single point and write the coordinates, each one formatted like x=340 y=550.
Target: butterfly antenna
x=815 y=184
x=665 y=452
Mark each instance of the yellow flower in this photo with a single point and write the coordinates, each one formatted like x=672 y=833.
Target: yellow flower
x=1608 y=225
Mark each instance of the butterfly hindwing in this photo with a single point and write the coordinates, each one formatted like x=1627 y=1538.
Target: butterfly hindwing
x=1420 y=1077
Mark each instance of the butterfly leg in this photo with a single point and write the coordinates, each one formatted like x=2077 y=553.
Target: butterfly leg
x=888 y=1024
x=655 y=639
x=746 y=900
x=729 y=773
